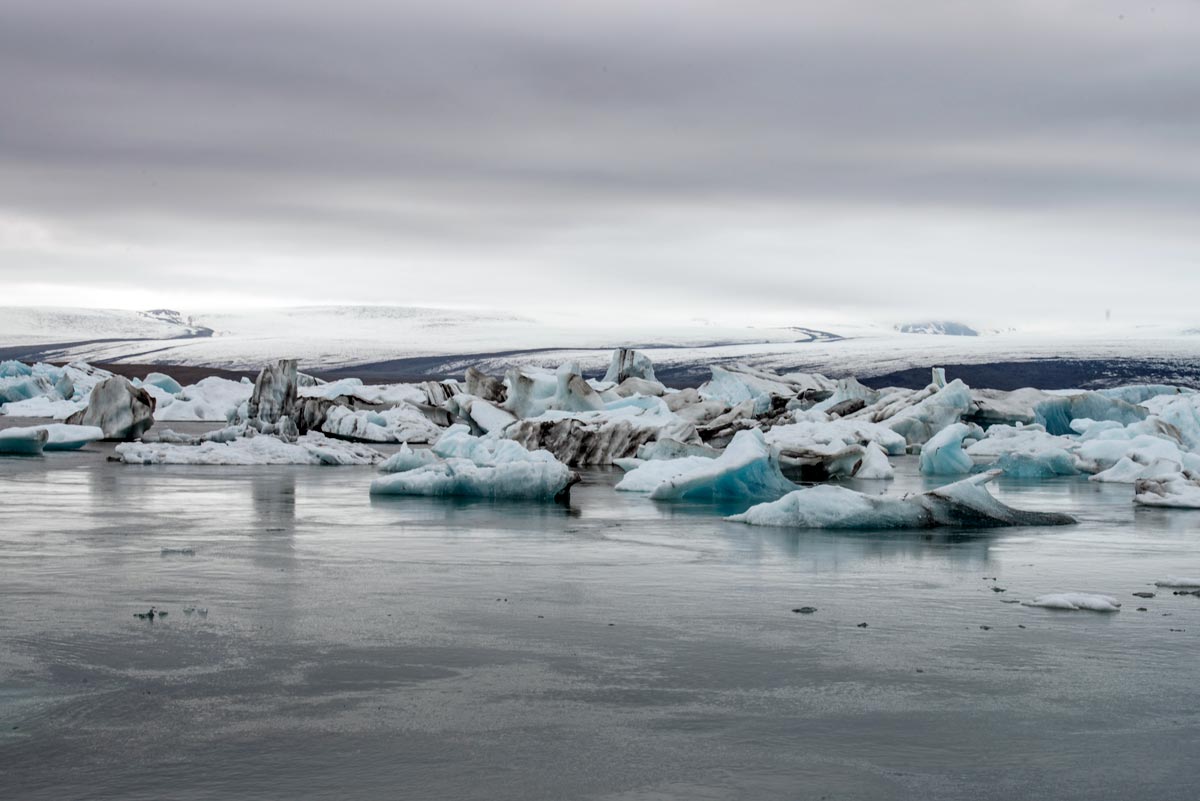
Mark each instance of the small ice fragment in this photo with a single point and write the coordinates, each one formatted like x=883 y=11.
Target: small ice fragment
x=1075 y=601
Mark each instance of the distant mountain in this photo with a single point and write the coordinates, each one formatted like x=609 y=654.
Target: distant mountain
x=941 y=327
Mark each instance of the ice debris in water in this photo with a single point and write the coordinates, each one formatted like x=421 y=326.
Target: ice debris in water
x=482 y=467
x=1179 y=582
x=966 y=504
x=1075 y=601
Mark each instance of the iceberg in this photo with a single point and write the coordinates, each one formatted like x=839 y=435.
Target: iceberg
x=943 y=454
x=749 y=468
x=875 y=464
x=274 y=395
x=478 y=467
x=118 y=408
x=209 y=399
x=164 y=382
x=940 y=408
x=821 y=449
x=22 y=441
x=1179 y=582
x=312 y=448
x=63 y=437
x=398 y=424
x=965 y=504
x=628 y=363
x=1075 y=601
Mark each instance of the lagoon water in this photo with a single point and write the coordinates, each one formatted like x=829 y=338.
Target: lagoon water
x=613 y=648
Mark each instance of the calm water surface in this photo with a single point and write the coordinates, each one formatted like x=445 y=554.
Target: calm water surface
x=615 y=648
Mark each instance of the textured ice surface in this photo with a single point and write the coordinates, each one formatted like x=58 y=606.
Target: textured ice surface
x=209 y=399
x=1179 y=582
x=402 y=423
x=1180 y=490
x=748 y=468
x=482 y=467
x=120 y=409
x=312 y=449
x=1076 y=601
x=965 y=503
x=943 y=454
x=22 y=441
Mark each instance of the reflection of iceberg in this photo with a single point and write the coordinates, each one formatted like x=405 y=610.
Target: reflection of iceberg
x=964 y=504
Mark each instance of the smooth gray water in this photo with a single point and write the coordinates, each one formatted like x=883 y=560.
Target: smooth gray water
x=617 y=648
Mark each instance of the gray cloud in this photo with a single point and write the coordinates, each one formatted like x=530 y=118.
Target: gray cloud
x=857 y=155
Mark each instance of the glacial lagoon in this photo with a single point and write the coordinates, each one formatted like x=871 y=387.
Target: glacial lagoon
x=613 y=647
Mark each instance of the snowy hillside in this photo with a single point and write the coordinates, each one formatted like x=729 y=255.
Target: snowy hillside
x=410 y=341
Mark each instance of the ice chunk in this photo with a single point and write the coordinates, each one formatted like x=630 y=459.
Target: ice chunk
x=1075 y=601
x=274 y=395
x=749 y=468
x=966 y=504
x=408 y=459
x=669 y=448
x=63 y=437
x=738 y=383
x=1046 y=463
x=943 y=455
x=209 y=399
x=482 y=467
x=484 y=415
x=117 y=407
x=1128 y=471
x=1057 y=412
x=647 y=476
x=311 y=449
x=875 y=464
x=1180 y=490
x=22 y=441
x=399 y=424
x=164 y=382
x=629 y=363
x=918 y=422
x=1178 y=582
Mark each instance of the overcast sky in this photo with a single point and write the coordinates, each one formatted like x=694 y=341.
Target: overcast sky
x=763 y=162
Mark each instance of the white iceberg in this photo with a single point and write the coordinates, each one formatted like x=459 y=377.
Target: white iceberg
x=1076 y=601
x=210 y=399
x=629 y=363
x=478 y=467
x=964 y=504
x=1179 y=490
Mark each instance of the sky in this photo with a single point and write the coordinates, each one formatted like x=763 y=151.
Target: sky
x=1021 y=162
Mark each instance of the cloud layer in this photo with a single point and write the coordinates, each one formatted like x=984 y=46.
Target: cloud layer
x=751 y=161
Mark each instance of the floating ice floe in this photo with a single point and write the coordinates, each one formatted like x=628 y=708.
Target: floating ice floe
x=597 y=437
x=22 y=441
x=748 y=468
x=1075 y=601
x=480 y=467
x=251 y=449
x=58 y=437
x=965 y=504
